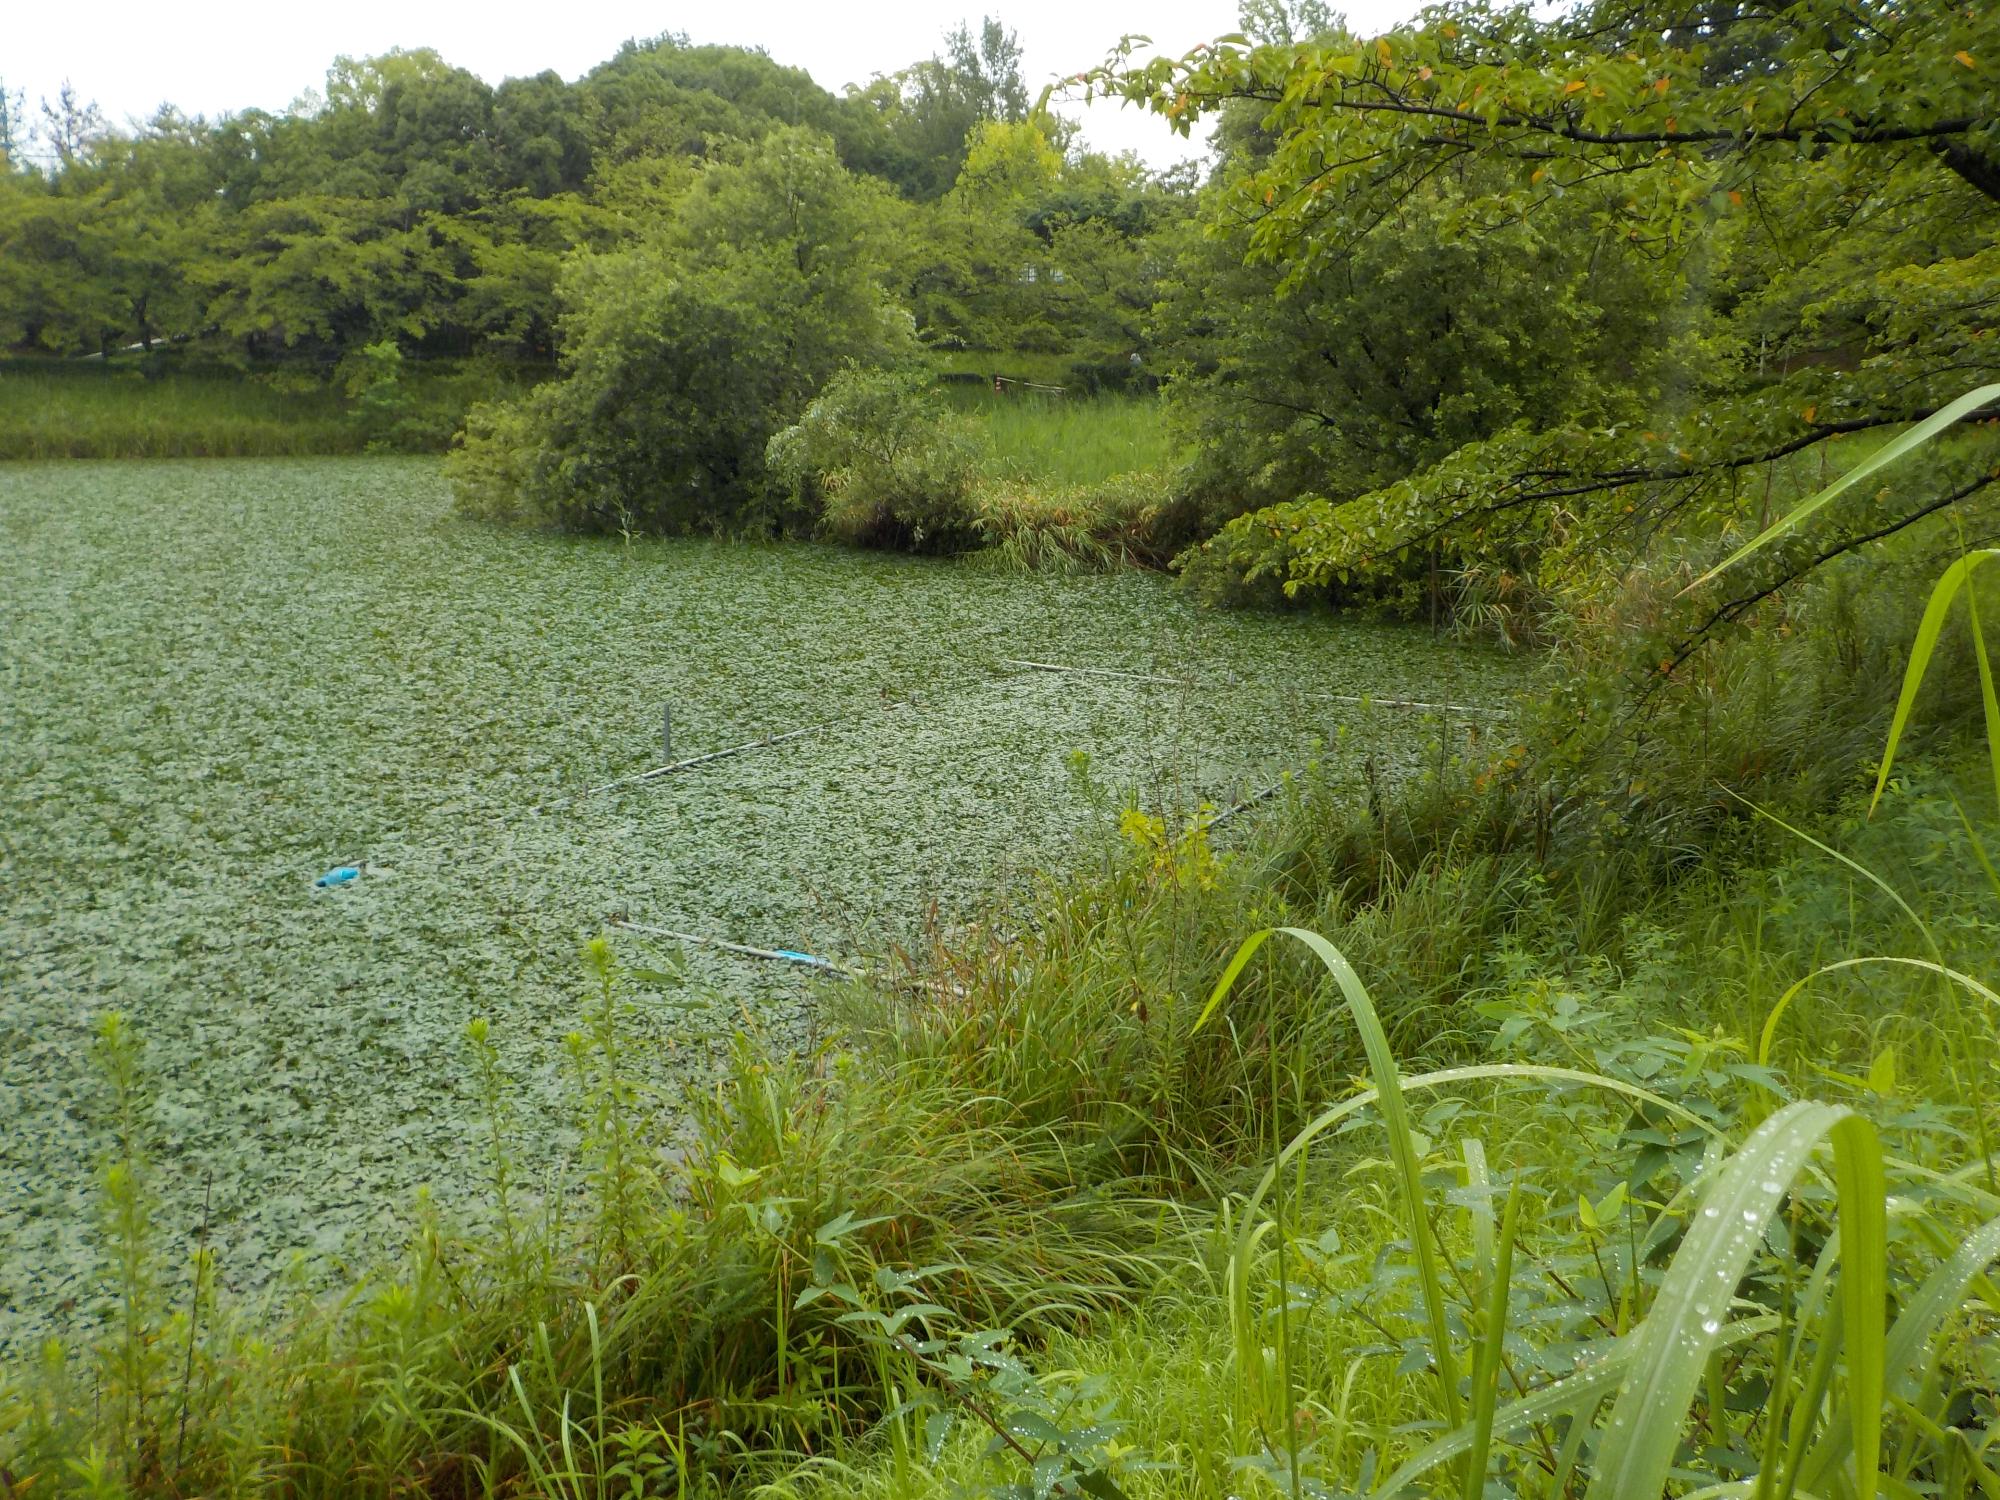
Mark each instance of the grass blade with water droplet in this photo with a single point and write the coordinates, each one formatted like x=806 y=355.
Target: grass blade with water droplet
x=1680 y=1330
x=1942 y=1294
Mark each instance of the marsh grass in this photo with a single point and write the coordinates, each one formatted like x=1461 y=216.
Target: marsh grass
x=122 y=414
x=636 y=1320
x=1076 y=484
x=1735 y=1296
x=121 y=411
x=1130 y=520
x=1056 y=441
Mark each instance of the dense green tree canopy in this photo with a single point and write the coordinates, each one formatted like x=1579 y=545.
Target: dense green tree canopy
x=688 y=348
x=1374 y=364
x=410 y=200
x=1812 y=187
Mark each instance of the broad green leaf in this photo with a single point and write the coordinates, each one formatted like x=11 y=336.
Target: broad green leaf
x=1388 y=1091
x=1943 y=592
x=1481 y=1210
x=1882 y=1072
x=1692 y=1305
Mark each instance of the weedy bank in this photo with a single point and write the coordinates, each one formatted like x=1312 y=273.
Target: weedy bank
x=156 y=407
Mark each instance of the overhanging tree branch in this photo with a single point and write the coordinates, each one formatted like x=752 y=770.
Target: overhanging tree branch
x=1735 y=609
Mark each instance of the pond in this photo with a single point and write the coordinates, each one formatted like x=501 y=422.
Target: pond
x=220 y=679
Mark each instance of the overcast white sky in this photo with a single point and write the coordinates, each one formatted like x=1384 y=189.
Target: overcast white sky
x=214 y=56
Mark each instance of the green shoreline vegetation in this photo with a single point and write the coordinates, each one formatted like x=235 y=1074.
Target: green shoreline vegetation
x=1595 y=1100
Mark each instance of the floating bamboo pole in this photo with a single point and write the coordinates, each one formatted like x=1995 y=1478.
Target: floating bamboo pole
x=692 y=761
x=780 y=955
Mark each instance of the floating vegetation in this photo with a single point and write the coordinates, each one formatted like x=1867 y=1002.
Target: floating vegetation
x=223 y=680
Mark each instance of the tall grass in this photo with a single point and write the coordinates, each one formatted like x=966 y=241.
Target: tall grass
x=121 y=412
x=1736 y=1340
x=1076 y=483
x=1069 y=440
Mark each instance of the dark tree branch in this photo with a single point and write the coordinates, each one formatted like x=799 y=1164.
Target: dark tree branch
x=1975 y=167
x=1845 y=133
x=1612 y=479
x=1734 y=609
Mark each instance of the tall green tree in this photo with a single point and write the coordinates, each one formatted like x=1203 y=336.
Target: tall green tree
x=930 y=110
x=13 y=127
x=150 y=216
x=1037 y=251
x=72 y=126
x=1385 y=359
x=687 y=350
x=54 y=293
x=339 y=272
x=984 y=284
x=1674 y=131
x=542 y=137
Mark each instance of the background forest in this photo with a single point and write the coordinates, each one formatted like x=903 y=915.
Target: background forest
x=1610 y=307
x=415 y=205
